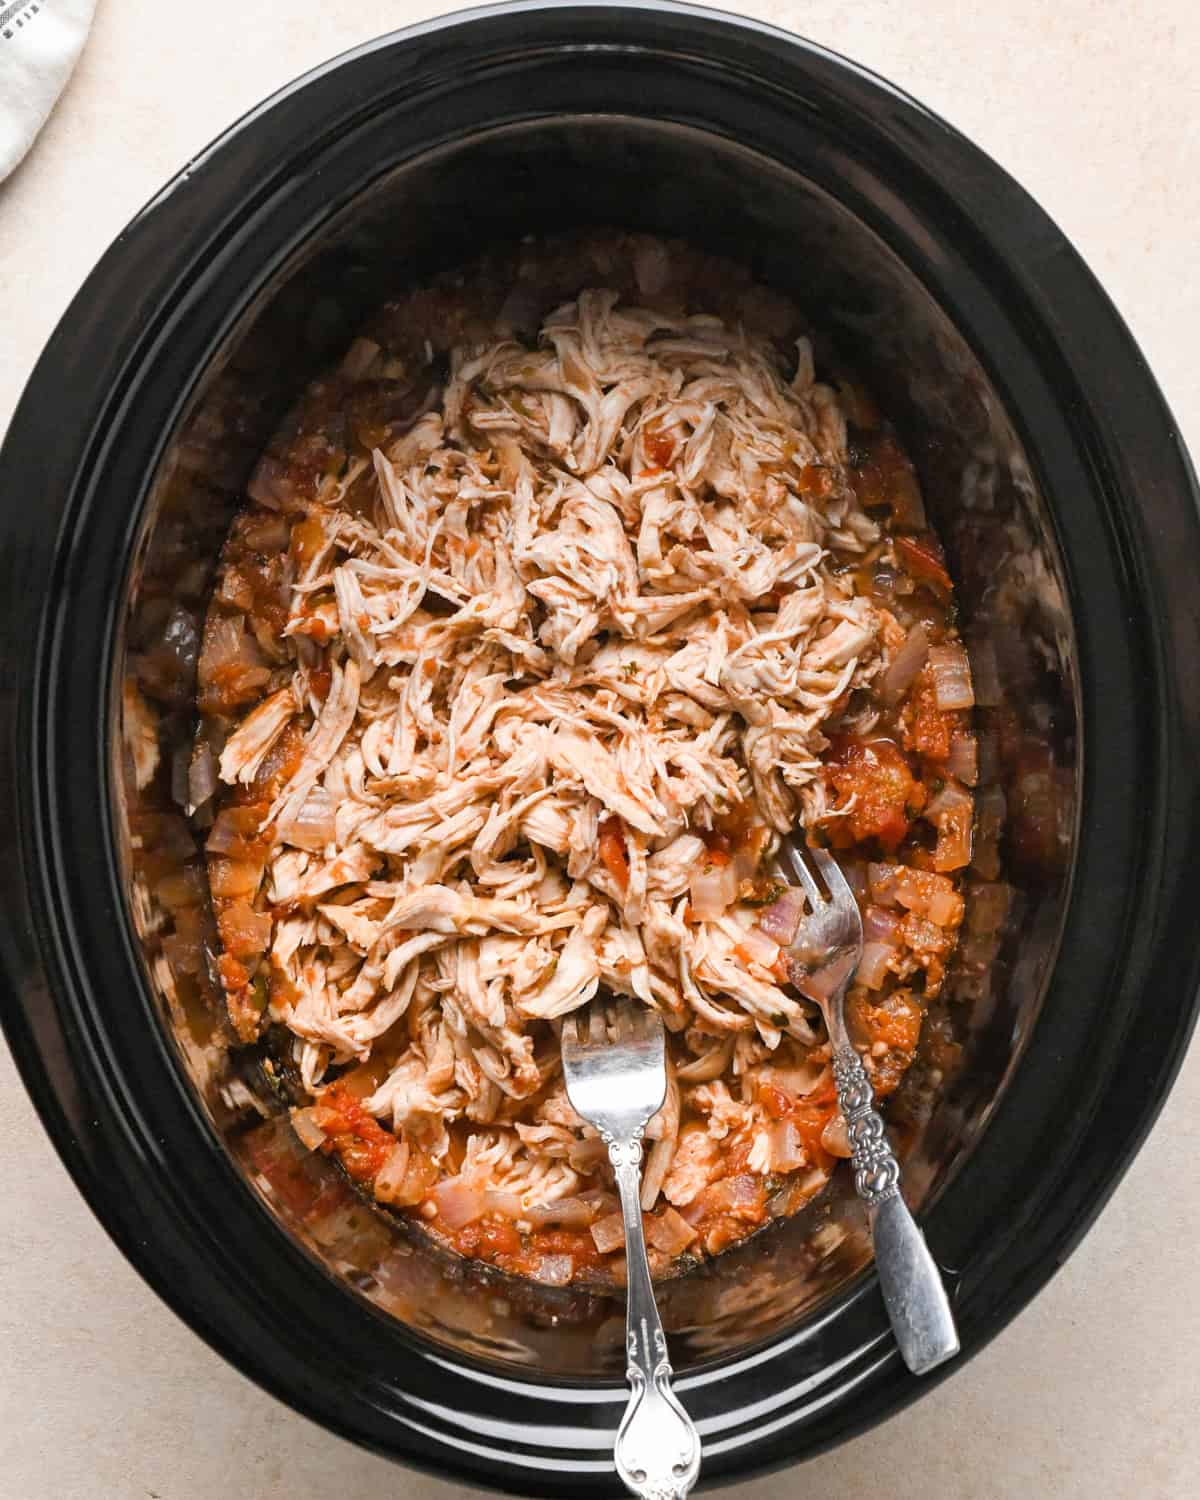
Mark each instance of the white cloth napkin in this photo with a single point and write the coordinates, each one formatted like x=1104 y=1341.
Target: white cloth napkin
x=40 y=41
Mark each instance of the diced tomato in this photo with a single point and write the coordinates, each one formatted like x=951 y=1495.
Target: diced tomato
x=487 y=1239
x=659 y=446
x=876 y=775
x=308 y=538
x=233 y=975
x=815 y=480
x=614 y=853
x=929 y=729
x=923 y=558
x=885 y=477
x=244 y=931
x=355 y=1136
x=896 y=1022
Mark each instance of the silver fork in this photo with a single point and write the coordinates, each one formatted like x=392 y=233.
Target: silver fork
x=616 y=1076
x=826 y=953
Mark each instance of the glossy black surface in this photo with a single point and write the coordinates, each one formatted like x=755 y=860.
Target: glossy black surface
x=1027 y=398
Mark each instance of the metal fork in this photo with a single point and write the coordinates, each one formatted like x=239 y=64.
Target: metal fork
x=825 y=955
x=615 y=1070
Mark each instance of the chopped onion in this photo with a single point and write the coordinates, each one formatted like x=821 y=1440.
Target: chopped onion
x=951 y=672
x=519 y=310
x=749 y=850
x=781 y=920
x=873 y=966
x=669 y=1231
x=271 y=485
x=570 y=1213
x=881 y=882
x=235 y=877
x=245 y=932
x=554 y=1270
x=786 y=1147
x=929 y=895
x=184 y=948
x=181 y=887
x=390 y=1177
x=202 y=775
x=609 y=1233
x=313 y=827
x=233 y=831
x=507 y=1205
x=964 y=758
x=651 y=267
x=714 y=888
x=265 y=532
x=952 y=813
x=836 y=1138
x=988 y=907
x=458 y=1202
x=742 y=1191
x=904 y=666
x=359 y=358
x=881 y=925
x=224 y=640
x=305 y=1125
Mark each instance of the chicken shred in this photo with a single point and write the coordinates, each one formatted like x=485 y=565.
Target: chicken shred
x=585 y=606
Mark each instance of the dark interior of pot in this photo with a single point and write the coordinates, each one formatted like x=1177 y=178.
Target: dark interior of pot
x=441 y=210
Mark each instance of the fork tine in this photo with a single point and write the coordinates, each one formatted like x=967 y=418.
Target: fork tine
x=831 y=873
x=625 y=1021
x=597 y=1030
x=570 y=1030
x=803 y=874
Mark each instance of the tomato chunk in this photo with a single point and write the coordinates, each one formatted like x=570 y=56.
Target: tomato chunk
x=614 y=852
x=875 y=777
x=924 y=559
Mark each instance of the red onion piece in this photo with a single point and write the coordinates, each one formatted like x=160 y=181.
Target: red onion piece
x=742 y=1191
x=781 y=920
x=786 y=1148
x=951 y=672
x=904 y=667
x=881 y=882
x=963 y=763
x=459 y=1202
x=881 y=925
x=713 y=889
x=569 y=1213
x=310 y=1133
x=873 y=966
x=359 y=358
x=314 y=828
x=952 y=813
x=389 y=1180
x=669 y=1231
x=836 y=1138
x=270 y=485
x=988 y=908
x=609 y=1233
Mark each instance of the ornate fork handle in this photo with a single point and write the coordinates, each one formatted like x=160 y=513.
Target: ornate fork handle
x=658 y=1449
x=908 y=1275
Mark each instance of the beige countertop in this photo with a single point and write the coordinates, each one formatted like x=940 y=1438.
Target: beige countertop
x=1093 y=1392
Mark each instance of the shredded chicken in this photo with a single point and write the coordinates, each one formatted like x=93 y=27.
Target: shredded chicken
x=586 y=605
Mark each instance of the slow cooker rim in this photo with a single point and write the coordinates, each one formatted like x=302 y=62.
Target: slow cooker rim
x=77 y=312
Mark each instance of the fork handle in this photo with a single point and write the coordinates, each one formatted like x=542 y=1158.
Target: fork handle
x=657 y=1449
x=912 y=1287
